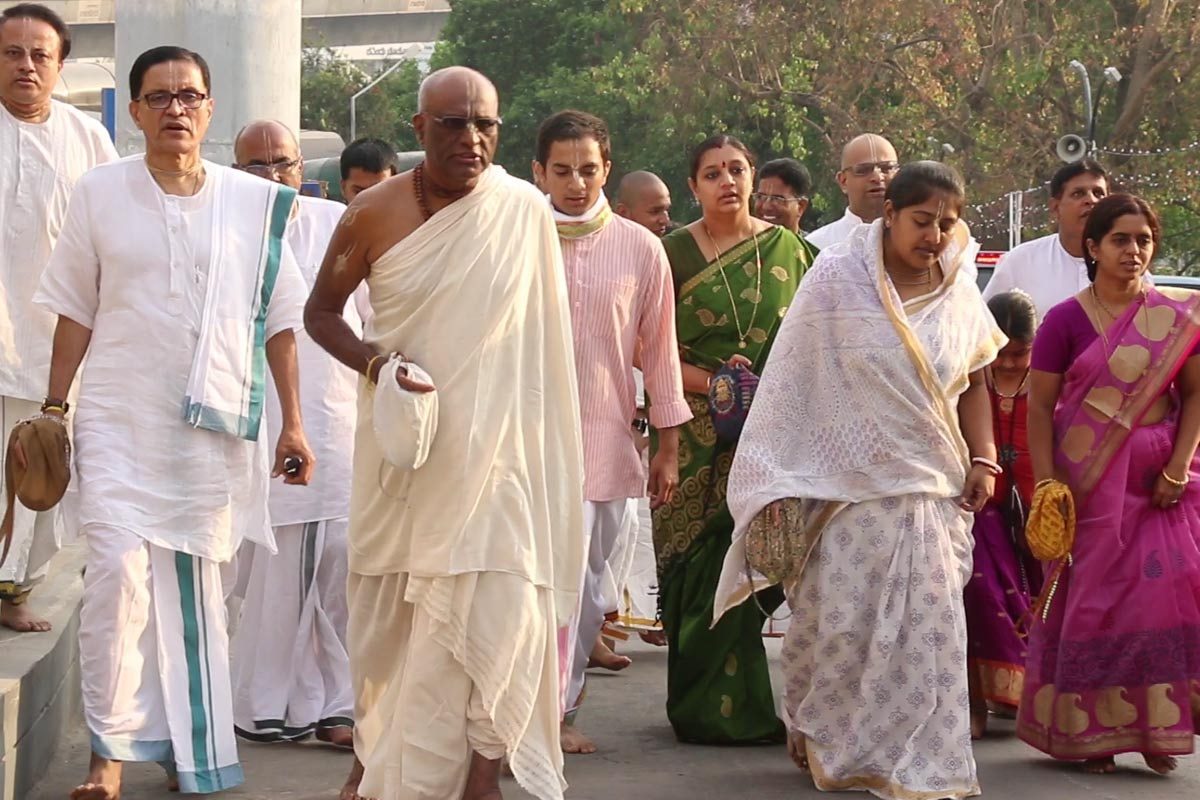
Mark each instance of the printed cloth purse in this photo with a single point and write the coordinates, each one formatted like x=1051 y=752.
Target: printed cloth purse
x=729 y=396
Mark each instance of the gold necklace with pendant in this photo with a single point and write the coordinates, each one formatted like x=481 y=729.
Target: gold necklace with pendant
x=737 y=321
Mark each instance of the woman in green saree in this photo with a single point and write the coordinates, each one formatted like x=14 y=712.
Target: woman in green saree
x=734 y=278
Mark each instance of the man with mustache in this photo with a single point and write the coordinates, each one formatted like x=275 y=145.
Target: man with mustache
x=868 y=164
x=172 y=275
x=1051 y=269
x=622 y=302
x=465 y=547
x=45 y=146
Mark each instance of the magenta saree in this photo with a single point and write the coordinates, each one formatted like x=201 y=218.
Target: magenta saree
x=1114 y=662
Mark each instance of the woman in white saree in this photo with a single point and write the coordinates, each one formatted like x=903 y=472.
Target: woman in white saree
x=873 y=412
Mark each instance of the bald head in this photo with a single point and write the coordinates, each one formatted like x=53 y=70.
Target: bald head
x=453 y=83
x=643 y=198
x=270 y=150
x=868 y=164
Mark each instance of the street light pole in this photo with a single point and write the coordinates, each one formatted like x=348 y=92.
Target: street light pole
x=1088 y=109
x=364 y=90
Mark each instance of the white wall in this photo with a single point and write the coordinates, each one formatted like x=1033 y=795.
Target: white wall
x=252 y=48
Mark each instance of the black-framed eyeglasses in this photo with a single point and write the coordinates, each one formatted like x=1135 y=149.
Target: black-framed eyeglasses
x=482 y=125
x=782 y=199
x=162 y=100
x=866 y=168
x=270 y=170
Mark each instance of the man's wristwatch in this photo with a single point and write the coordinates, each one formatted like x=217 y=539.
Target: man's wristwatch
x=55 y=404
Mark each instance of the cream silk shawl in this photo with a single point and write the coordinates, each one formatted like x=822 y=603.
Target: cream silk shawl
x=477 y=297
x=858 y=400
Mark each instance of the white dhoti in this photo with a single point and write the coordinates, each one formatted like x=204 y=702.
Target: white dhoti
x=633 y=588
x=605 y=523
x=447 y=666
x=154 y=658
x=291 y=670
x=35 y=537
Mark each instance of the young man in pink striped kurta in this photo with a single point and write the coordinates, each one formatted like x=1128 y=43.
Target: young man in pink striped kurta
x=622 y=309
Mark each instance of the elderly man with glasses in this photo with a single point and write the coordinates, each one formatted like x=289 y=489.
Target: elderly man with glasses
x=45 y=146
x=173 y=276
x=291 y=670
x=868 y=164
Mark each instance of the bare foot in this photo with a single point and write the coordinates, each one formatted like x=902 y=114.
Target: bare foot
x=979 y=721
x=483 y=779
x=797 y=750
x=1100 y=766
x=656 y=638
x=339 y=736
x=21 y=619
x=603 y=657
x=575 y=742
x=1163 y=765
x=350 y=788
x=103 y=781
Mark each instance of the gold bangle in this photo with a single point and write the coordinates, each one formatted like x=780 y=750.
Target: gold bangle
x=1172 y=481
x=370 y=364
x=1044 y=482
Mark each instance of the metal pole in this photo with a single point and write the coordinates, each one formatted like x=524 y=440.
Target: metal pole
x=364 y=90
x=1088 y=110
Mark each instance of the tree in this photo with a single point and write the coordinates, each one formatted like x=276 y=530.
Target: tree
x=327 y=83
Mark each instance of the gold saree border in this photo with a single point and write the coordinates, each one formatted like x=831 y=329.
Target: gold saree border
x=726 y=260
x=1136 y=402
x=878 y=785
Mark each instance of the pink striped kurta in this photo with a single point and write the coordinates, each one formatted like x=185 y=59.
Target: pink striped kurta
x=619 y=284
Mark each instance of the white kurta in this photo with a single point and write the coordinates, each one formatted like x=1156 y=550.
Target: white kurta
x=837 y=231
x=39 y=165
x=1043 y=269
x=130 y=265
x=328 y=390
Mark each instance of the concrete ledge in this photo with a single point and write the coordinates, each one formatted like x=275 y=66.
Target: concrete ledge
x=39 y=679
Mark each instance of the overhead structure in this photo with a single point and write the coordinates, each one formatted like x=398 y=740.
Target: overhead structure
x=253 y=49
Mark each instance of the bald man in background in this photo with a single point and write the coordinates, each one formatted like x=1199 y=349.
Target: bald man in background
x=868 y=164
x=643 y=198
x=291 y=670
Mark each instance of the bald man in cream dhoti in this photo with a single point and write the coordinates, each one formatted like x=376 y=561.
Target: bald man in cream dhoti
x=464 y=572
x=868 y=164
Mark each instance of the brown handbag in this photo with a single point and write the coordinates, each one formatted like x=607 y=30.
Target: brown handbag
x=778 y=551
x=41 y=480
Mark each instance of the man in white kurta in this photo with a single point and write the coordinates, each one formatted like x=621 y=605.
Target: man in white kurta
x=172 y=276
x=45 y=146
x=464 y=571
x=1051 y=269
x=291 y=672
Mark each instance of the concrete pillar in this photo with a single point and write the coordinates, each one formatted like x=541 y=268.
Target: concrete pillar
x=252 y=48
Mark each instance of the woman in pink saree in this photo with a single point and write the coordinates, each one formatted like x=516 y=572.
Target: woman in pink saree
x=1114 y=653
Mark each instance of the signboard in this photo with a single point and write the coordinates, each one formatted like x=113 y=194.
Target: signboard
x=88 y=11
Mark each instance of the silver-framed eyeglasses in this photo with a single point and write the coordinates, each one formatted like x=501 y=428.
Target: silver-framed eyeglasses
x=270 y=170
x=782 y=199
x=482 y=125
x=160 y=101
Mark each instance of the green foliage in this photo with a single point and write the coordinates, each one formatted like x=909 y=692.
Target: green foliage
x=988 y=77
x=327 y=84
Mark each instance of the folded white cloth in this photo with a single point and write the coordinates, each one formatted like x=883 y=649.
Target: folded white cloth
x=405 y=422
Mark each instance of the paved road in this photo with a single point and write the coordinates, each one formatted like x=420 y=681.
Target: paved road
x=640 y=760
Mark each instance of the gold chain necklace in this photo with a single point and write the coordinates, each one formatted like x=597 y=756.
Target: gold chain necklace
x=1100 y=306
x=196 y=172
x=737 y=321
